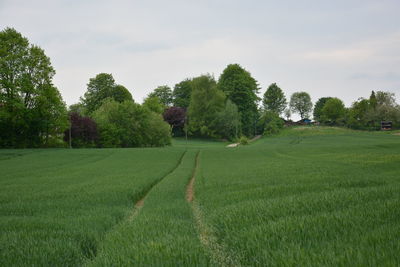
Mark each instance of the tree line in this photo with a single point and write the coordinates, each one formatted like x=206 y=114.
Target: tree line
x=33 y=114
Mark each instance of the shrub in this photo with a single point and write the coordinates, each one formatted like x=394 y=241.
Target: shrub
x=270 y=123
x=243 y=140
x=83 y=131
x=128 y=124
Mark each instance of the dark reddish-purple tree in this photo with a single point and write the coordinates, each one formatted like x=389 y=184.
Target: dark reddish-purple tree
x=83 y=131
x=176 y=117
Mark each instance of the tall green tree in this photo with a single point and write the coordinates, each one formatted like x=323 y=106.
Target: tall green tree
x=319 y=105
x=274 y=99
x=182 y=93
x=154 y=104
x=372 y=100
x=300 y=102
x=385 y=99
x=241 y=88
x=101 y=87
x=78 y=108
x=120 y=94
x=164 y=94
x=227 y=121
x=386 y=109
x=358 y=115
x=32 y=112
x=333 y=111
x=205 y=103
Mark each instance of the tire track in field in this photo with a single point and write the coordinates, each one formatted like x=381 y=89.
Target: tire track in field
x=218 y=252
x=137 y=207
x=140 y=203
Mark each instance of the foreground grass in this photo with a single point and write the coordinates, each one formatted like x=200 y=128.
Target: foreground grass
x=56 y=205
x=162 y=233
x=307 y=197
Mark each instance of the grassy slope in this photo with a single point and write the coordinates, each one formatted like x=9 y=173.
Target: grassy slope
x=56 y=205
x=318 y=196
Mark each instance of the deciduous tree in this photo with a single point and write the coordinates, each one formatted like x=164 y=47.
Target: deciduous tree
x=241 y=88
x=154 y=104
x=83 y=131
x=274 y=99
x=176 y=118
x=164 y=94
x=101 y=87
x=205 y=103
x=333 y=111
x=300 y=102
x=319 y=105
x=182 y=93
x=32 y=112
x=227 y=123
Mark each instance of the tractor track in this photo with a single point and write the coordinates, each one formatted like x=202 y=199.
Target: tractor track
x=140 y=203
x=218 y=253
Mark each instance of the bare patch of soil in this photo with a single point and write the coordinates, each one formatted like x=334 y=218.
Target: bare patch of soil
x=190 y=191
x=140 y=203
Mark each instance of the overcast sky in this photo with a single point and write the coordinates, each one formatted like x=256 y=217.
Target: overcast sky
x=341 y=48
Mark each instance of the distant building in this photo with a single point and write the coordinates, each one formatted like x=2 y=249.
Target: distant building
x=386 y=125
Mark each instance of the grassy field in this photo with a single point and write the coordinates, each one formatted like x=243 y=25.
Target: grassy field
x=309 y=196
x=57 y=205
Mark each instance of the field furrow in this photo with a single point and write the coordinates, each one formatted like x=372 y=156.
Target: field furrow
x=58 y=214
x=308 y=196
x=219 y=255
x=164 y=233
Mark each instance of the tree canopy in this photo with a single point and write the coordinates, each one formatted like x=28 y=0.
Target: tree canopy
x=227 y=121
x=32 y=112
x=333 y=111
x=300 y=102
x=274 y=99
x=128 y=124
x=241 y=88
x=101 y=87
x=83 y=131
x=182 y=93
x=206 y=101
x=154 y=104
x=175 y=116
x=164 y=94
x=319 y=105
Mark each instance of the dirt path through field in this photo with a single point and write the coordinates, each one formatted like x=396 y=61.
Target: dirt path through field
x=189 y=191
x=218 y=253
x=136 y=209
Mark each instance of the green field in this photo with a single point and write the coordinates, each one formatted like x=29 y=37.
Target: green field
x=310 y=196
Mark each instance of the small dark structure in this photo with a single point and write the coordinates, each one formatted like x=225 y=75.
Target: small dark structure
x=298 y=123
x=386 y=125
